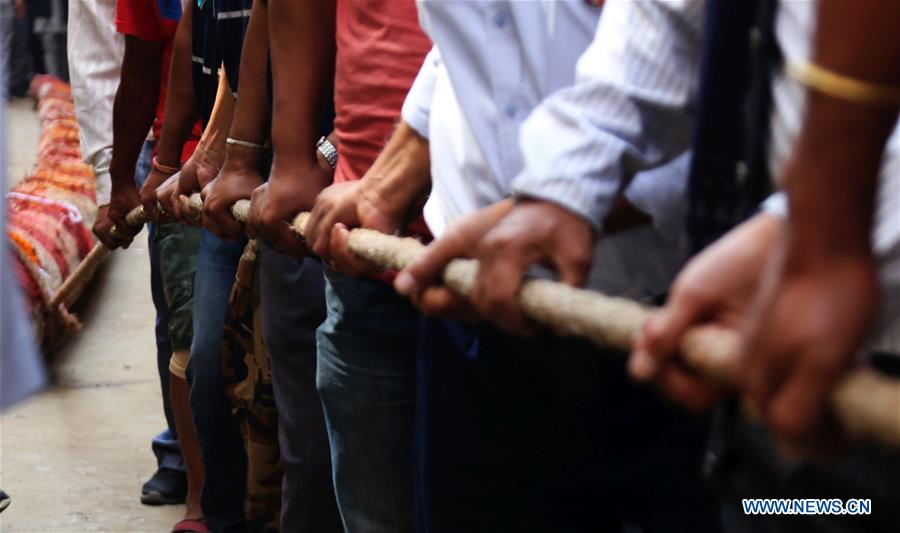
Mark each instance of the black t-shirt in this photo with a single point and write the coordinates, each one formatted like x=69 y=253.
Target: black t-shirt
x=219 y=27
x=218 y=38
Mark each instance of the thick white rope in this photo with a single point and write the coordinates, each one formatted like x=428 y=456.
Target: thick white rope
x=865 y=402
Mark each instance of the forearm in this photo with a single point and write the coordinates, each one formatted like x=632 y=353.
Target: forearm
x=832 y=178
x=251 y=117
x=833 y=175
x=212 y=142
x=134 y=107
x=402 y=173
x=181 y=106
x=301 y=38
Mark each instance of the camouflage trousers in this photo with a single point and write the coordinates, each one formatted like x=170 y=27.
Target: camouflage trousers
x=248 y=384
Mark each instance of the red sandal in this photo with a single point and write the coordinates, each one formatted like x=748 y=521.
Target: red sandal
x=191 y=525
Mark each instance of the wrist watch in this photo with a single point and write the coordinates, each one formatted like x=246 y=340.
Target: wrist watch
x=328 y=151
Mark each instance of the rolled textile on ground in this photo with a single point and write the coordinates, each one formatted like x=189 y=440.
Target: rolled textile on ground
x=50 y=213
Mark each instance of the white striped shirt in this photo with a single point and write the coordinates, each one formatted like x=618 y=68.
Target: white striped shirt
x=494 y=62
x=632 y=107
x=95 y=60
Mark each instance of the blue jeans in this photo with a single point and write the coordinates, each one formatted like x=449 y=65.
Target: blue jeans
x=165 y=445
x=548 y=434
x=221 y=443
x=293 y=305
x=366 y=377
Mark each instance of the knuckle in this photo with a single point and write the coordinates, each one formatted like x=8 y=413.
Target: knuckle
x=788 y=424
x=651 y=338
x=454 y=240
x=496 y=241
x=690 y=294
x=695 y=403
x=580 y=261
x=430 y=306
x=268 y=219
x=494 y=302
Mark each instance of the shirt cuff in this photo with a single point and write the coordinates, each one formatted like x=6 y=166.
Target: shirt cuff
x=417 y=107
x=777 y=205
x=660 y=193
x=103 y=188
x=590 y=199
x=415 y=117
x=577 y=172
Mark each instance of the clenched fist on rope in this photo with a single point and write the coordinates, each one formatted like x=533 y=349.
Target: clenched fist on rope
x=715 y=288
x=237 y=181
x=385 y=199
x=198 y=171
x=291 y=188
x=862 y=400
x=507 y=238
x=118 y=233
x=159 y=174
x=420 y=281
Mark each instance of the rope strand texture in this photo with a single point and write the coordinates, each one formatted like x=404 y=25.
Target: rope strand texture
x=865 y=402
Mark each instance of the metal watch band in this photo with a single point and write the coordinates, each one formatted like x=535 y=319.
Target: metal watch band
x=328 y=151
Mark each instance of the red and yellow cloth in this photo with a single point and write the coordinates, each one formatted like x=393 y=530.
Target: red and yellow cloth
x=51 y=210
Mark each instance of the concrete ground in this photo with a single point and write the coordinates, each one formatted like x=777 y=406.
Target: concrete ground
x=22 y=133
x=74 y=457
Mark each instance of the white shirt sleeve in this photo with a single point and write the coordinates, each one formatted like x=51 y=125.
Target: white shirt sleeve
x=95 y=61
x=629 y=110
x=417 y=107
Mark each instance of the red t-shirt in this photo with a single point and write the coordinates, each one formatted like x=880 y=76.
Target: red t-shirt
x=142 y=19
x=380 y=48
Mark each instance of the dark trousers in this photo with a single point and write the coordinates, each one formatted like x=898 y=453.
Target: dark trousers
x=221 y=442
x=548 y=434
x=20 y=65
x=749 y=465
x=292 y=298
x=367 y=379
x=165 y=444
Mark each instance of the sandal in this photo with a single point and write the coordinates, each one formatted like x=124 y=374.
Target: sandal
x=191 y=525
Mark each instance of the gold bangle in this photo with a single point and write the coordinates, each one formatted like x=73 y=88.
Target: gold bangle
x=837 y=85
